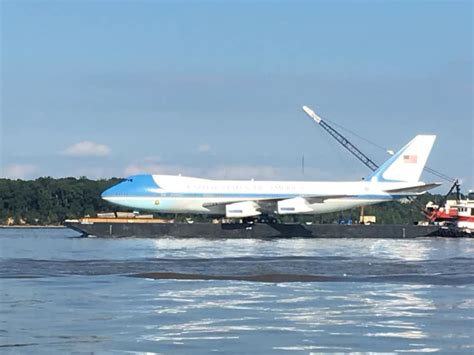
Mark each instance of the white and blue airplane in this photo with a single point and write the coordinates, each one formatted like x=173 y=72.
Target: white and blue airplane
x=397 y=178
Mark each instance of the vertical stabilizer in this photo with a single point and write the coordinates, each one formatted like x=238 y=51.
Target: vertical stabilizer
x=408 y=163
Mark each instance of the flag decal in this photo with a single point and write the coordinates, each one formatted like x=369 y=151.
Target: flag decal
x=410 y=159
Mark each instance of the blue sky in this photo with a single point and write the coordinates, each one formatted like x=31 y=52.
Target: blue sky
x=215 y=89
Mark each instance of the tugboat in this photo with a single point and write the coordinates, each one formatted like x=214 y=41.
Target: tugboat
x=455 y=214
x=442 y=215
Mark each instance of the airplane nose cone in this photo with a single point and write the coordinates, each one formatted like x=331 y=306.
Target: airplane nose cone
x=137 y=185
x=111 y=192
x=106 y=194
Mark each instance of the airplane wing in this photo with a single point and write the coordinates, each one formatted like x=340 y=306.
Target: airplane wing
x=414 y=189
x=250 y=208
x=321 y=199
x=273 y=200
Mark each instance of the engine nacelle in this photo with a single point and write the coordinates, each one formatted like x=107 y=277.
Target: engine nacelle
x=293 y=206
x=242 y=209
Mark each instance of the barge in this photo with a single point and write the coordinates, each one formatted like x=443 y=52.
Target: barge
x=157 y=228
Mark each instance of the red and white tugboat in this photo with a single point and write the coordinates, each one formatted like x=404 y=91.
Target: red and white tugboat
x=455 y=213
x=442 y=215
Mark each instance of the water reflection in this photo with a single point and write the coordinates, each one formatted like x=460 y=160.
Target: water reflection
x=318 y=314
x=401 y=249
x=410 y=250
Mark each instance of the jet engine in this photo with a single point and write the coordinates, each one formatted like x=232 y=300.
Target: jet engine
x=294 y=205
x=242 y=209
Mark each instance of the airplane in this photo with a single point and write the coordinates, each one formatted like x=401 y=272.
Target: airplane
x=397 y=178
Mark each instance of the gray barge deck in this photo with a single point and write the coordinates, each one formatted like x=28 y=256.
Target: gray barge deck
x=116 y=228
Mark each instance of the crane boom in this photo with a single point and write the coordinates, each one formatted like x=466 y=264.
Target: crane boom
x=341 y=139
x=371 y=165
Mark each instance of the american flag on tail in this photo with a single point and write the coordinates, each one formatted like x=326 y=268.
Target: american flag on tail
x=410 y=159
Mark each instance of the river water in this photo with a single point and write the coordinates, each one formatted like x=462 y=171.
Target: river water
x=63 y=293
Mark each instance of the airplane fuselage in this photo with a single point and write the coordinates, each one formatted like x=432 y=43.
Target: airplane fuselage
x=398 y=177
x=179 y=194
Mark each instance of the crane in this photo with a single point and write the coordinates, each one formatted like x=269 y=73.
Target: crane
x=341 y=139
x=370 y=163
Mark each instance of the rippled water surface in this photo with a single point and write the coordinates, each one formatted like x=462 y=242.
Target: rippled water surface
x=61 y=293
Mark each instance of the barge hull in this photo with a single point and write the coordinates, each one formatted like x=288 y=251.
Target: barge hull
x=257 y=230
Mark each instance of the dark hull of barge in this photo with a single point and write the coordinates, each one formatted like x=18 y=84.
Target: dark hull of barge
x=255 y=230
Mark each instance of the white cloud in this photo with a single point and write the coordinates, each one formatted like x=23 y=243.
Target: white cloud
x=18 y=171
x=203 y=148
x=87 y=148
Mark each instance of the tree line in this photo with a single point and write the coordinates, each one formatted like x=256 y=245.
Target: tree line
x=49 y=201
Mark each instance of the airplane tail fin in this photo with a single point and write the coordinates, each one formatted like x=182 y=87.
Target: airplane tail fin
x=407 y=164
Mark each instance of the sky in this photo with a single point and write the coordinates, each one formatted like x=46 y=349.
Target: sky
x=214 y=89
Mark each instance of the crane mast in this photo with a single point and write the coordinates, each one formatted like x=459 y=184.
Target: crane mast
x=341 y=139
